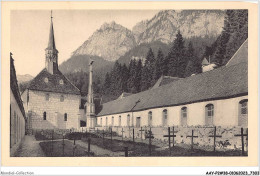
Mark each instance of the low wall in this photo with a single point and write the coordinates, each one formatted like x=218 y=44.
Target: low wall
x=228 y=140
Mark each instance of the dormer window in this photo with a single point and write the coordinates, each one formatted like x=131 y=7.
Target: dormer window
x=46 y=80
x=61 y=82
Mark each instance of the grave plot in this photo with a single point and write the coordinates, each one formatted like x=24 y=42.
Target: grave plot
x=116 y=145
x=55 y=149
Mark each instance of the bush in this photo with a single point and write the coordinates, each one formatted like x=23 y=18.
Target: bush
x=74 y=135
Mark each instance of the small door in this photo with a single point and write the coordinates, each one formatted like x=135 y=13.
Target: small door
x=138 y=122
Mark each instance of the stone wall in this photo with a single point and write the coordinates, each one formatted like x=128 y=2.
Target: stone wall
x=54 y=108
x=227 y=141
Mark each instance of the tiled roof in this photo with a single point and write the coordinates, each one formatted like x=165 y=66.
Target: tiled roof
x=14 y=86
x=224 y=82
x=240 y=56
x=45 y=81
x=205 y=62
x=165 y=80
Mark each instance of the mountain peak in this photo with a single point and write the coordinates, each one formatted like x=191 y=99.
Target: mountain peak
x=110 y=41
x=112 y=25
x=192 y=23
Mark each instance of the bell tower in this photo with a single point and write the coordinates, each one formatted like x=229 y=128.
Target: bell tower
x=51 y=53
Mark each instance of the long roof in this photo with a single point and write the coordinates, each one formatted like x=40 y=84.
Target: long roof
x=14 y=86
x=224 y=82
x=53 y=84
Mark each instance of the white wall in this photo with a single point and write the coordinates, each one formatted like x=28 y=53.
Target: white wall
x=226 y=113
x=54 y=108
x=17 y=126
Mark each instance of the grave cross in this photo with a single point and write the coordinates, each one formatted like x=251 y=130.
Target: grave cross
x=173 y=135
x=111 y=134
x=63 y=144
x=192 y=136
x=111 y=137
x=169 y=138
x=89 y=140
x=74 y=147
x=129 y=130
x=103 y=135
x=215 y=136
x=52 y=142
x=122 y=134
x=242 y=139
x=141 y=133
x=150 y=137
x=133 y=135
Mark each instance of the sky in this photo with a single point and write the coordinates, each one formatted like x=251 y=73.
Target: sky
x=30 y=32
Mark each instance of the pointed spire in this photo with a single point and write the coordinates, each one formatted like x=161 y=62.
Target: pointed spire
x=51 y=44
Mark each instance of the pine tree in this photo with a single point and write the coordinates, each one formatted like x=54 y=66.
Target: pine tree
x=238 y=34
x=190 y=68
x=148 y=70
x=235 y=32
x=138 y=76
x=124 y=78
x=176 y=57
x=116 y=79
x=132 y=67
x=107 y=84
x=158 y=69
x=165 y=66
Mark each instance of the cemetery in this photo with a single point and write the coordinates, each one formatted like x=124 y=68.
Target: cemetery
x=144 y=142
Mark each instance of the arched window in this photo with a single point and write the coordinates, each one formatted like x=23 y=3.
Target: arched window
x=106 y=121
x=65 y=117
x=165 y=117
x=243 y=111
x=44 y=116
x=209 y=114
x=47 y=97
x=119 y=121
x=100 y=121
x=128 y=120
x=62 y=98
x=150 y=118
x=184 y=116
x=112 y=122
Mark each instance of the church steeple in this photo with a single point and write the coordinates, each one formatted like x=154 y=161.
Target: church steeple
x=51 y=53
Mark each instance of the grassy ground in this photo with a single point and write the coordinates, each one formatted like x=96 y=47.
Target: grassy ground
x=118 y=145
x=181 y=150
x=56 y=150
x=137 y=148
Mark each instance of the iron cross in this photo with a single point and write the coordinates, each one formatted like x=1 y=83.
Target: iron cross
x=141 y=133
x=150 y=137
x=192 y=136
x=242 y=139
x=122 y=133
x=169 y=138
x=215 y=136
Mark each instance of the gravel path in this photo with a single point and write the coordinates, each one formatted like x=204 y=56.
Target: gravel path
x=29 y=148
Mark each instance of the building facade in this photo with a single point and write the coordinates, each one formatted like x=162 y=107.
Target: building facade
x=51 y=100
x=217 y=97
x=17 y=113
